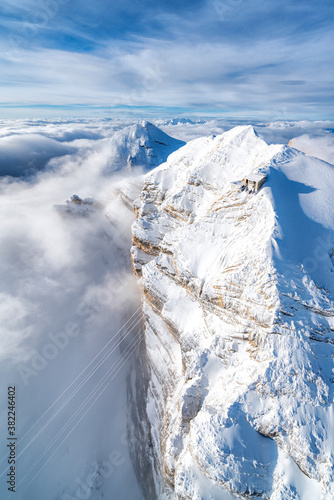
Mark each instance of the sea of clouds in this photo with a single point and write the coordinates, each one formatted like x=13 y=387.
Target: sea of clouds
x=69 y=304
x=69 y=312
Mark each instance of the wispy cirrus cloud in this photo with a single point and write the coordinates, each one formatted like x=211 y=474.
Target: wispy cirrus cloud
x=257 y=59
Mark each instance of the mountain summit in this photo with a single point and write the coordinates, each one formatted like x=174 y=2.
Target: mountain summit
x=238 y=291
x=140 y=145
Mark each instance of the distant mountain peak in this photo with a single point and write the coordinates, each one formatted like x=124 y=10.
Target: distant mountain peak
x=181 y=121
x=140 y=145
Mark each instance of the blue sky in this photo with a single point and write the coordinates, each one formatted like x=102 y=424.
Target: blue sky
x=265 y=59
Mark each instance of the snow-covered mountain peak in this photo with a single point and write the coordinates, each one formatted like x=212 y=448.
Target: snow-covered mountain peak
x=181 y=121
x=204 y=168
x=141 y=129
x=240 y=133
x=139 y=145
x=146 y=124
x=238 y=292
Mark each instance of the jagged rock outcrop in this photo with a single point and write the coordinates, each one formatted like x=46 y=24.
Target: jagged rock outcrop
x=238 y=307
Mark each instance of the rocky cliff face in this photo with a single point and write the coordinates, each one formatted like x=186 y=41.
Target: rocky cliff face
x=237 y=292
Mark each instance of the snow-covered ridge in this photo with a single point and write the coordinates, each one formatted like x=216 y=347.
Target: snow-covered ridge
x=180 y=121
x=238 y=294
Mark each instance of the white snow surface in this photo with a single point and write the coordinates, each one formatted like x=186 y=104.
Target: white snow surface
x=239 y=318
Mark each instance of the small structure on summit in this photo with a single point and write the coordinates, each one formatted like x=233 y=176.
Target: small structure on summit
x=254 y=181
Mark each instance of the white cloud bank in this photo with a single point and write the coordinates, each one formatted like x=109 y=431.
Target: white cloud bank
x=322 y=147
x=66 y=290
x=28 y=153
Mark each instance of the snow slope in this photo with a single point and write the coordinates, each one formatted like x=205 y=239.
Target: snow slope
x=237 y=294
